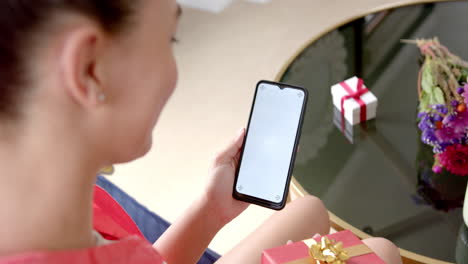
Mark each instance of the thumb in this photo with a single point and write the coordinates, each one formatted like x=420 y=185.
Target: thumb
x=232 y=150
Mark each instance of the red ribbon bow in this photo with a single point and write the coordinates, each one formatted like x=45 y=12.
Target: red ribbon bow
x=356 y=95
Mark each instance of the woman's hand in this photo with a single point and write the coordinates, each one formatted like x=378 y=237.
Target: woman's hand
x=199 y=223
x=218 y=194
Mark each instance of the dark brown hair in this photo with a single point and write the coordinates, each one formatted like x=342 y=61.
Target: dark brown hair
x=20 y=23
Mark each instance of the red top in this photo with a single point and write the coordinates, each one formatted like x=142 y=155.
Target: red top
x=110 y=219
x=113 y=223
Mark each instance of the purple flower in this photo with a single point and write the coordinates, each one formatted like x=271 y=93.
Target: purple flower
x=460 y=90
x=424 y=126
x=437 y=118
x=441 y=130
x=425 y=122
x=448 y=134
x=443 y=146
x=460 y=122
x=429 y=137
x=438 y=149
x=437 y=169
x=440 y=108
x=454 y=103
x=449 y=118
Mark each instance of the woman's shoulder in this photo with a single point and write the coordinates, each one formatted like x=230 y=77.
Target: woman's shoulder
x=130 y=250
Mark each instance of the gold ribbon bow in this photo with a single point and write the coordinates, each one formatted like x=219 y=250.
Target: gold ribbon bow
x=329 y=252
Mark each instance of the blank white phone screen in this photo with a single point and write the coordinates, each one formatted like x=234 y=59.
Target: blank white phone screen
x=270 y=142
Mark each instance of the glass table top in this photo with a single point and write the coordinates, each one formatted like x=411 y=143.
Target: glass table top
x=379 y=179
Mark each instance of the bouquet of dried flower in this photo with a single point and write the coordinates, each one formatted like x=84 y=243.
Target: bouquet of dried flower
x=443 y=99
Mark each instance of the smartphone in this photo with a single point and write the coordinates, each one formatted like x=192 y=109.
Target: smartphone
x=269 y=150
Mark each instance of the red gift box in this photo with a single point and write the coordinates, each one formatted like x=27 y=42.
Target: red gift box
x=298 y=253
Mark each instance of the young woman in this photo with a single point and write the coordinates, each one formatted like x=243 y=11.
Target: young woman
x=82 y=85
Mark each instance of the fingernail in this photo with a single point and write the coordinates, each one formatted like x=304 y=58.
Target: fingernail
x=240 y=132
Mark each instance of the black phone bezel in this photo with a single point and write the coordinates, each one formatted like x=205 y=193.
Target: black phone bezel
x=261 y=202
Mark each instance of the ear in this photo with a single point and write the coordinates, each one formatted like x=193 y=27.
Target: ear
x=80 y=54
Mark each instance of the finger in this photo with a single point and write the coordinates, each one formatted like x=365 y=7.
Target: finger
x=236 y=159
x=231 y=152
x=298 y=149
x=289 y=242
x=239 y=140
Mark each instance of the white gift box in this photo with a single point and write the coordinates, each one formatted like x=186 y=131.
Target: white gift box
x=351 y=107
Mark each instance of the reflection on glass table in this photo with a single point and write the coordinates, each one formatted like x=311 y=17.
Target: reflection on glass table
x=379 y=179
